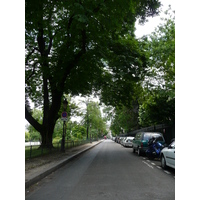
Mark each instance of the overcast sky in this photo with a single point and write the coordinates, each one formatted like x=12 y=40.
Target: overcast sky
x=153 y=22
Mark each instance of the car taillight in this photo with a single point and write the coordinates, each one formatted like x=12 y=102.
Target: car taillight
x=141 y=145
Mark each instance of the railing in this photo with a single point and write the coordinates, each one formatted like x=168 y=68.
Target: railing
x=167 y=130
x=32 y=151
x=150 y=128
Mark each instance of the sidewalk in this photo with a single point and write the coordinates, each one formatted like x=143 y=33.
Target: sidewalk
x=37 y=168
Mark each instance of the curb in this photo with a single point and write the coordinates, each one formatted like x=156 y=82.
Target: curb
x=55 y=167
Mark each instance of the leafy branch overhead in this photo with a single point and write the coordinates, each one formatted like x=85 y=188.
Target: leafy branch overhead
x=153 y=98
x=158 y=101
x=72 y=47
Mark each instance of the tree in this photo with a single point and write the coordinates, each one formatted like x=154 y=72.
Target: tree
x=27 y=136
x=162 y=54
x=157 y=109
x=93 y=119
x=33 y=133
x=158 y=101
x=79 y=132
x=125 y=120
x=67 y=46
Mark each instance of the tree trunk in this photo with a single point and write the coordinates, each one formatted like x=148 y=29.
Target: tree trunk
x=47 y=135
x=49 y=120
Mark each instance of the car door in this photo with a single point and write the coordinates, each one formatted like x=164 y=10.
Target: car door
x=170 y=155
x=134 y=141
x=138 y=140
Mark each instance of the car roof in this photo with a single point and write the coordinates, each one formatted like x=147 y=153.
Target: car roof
x=150 y=132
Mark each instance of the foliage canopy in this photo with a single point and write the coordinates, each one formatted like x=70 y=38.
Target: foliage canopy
x=76 y=47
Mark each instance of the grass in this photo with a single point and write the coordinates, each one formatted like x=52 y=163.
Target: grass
x=35 y=151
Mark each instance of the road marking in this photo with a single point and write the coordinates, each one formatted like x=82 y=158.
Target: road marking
x=158 y=167
x=148 y=160
x=147 y=164
x=167 y=172
x=153 y=163
x=144 y=158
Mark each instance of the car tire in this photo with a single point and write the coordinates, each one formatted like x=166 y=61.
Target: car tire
x=163 y=162
x=138 y=151
x=133 y=150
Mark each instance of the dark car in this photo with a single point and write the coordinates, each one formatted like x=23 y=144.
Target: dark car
x=140 y=142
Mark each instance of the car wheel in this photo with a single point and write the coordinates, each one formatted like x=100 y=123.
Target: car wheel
x=163 y=162
x=133 y=150
x=138 y=151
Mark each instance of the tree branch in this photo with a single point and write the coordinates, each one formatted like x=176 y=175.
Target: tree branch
x=50 y=45
x=29 y=54
x=32 y=121
x=33 y=72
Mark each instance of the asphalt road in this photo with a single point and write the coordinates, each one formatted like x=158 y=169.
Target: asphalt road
x=107 y=171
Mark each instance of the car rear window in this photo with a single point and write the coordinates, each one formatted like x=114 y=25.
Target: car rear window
x=159 y=138
x=138 y=136
x=148 y=136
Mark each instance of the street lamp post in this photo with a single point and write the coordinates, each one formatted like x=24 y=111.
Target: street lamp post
x=90 y=134
x=65 y=103
x=87 y=120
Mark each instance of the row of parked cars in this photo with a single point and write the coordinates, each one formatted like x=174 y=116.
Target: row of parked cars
x=125 y=141
x=139 y=143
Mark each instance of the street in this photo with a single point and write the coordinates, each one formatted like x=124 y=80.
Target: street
x=107 y=171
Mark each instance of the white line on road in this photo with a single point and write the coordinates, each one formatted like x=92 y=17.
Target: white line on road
x=147 y=164
x=153 y=163
x=167 y=172
x=158 y=167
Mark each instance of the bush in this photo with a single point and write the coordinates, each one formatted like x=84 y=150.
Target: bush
x=57 y=139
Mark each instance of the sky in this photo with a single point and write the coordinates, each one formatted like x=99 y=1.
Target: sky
x=153 y=22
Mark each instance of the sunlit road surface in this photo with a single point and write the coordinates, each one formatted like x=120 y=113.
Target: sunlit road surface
x=107 y=171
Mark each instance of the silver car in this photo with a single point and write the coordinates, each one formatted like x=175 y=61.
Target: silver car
x=128 y=142
x=168 y=156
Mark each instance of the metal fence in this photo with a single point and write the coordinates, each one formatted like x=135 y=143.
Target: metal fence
x=33 y=151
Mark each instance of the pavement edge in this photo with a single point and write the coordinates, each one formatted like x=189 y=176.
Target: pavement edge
x=34 y=180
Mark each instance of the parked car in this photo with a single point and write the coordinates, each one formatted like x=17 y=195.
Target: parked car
x=128 y=142
x=168 y=156
x=140 y=142
x=117 y=139
x=121 y=140
x=113 y=138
